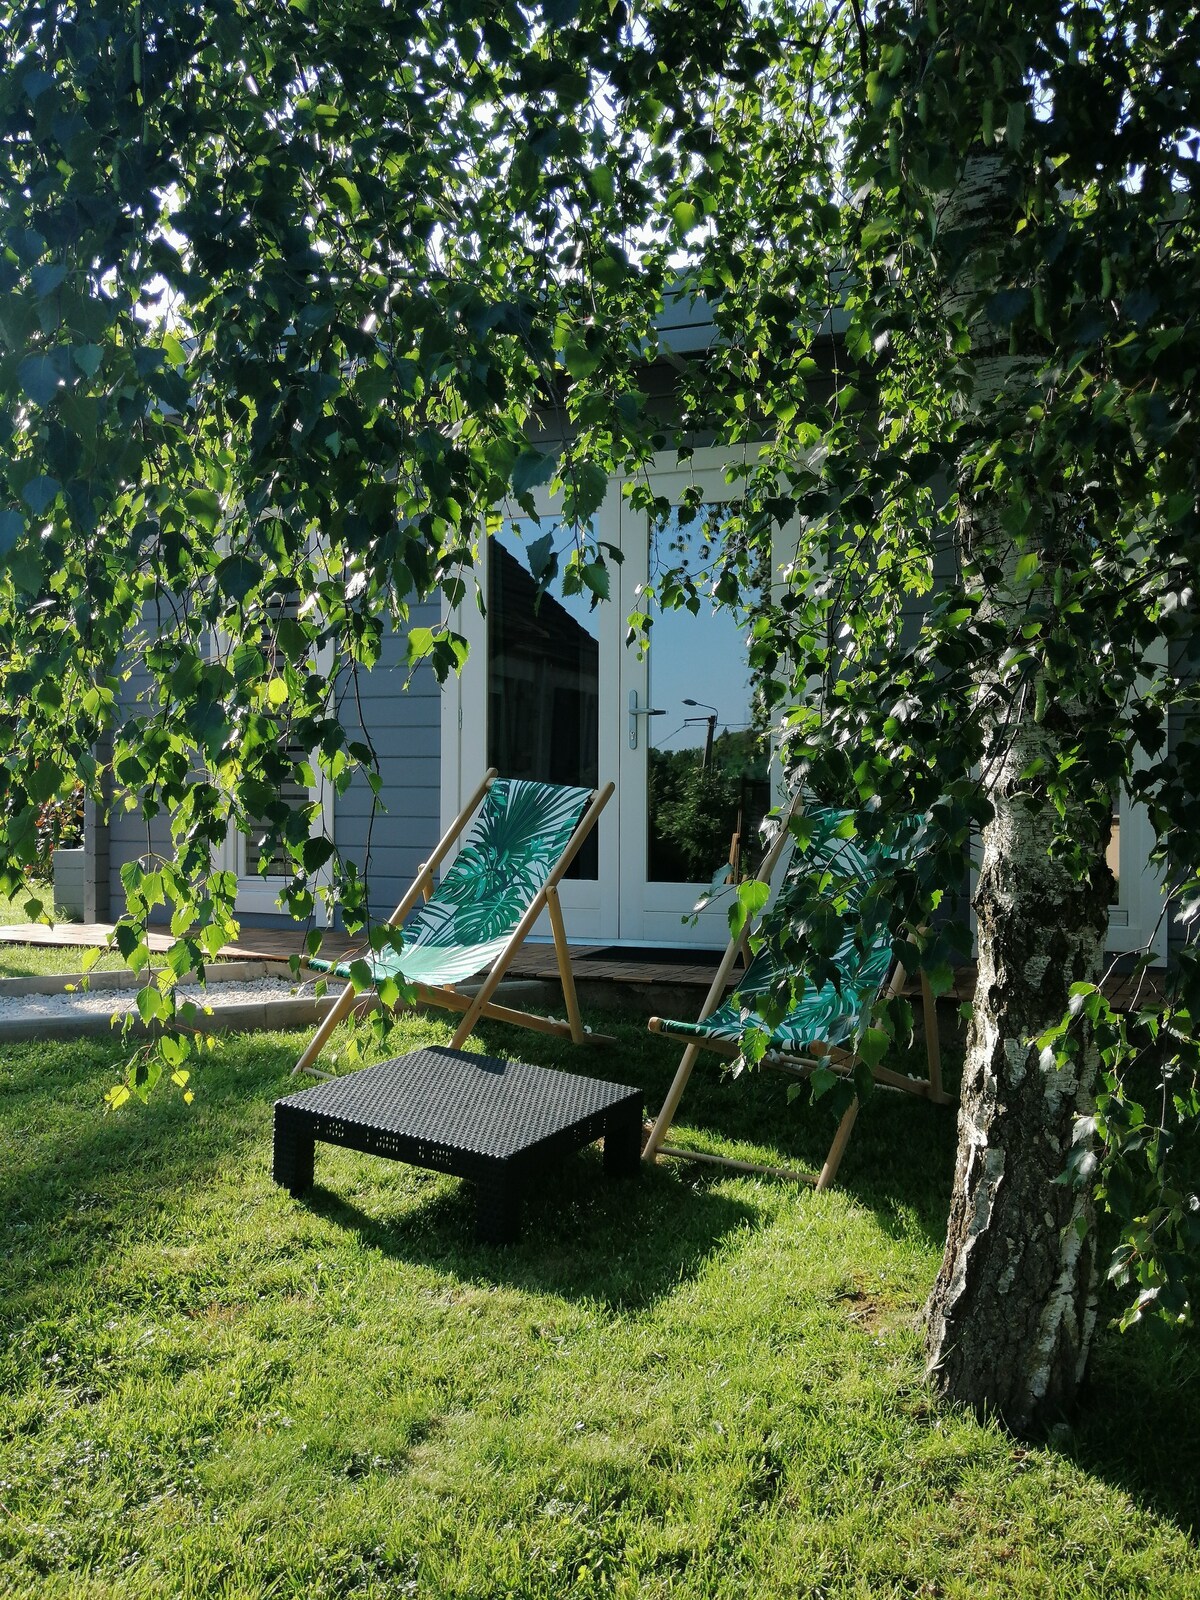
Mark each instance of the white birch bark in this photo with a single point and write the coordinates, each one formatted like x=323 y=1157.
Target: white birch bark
x=1010 y=1318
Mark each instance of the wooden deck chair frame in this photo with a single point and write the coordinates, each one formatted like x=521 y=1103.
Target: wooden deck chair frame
x=829 y=1057
x=481 y=1004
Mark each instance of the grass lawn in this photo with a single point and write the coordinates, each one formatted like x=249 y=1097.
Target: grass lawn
x=697 y=1385
x=44 y=960
x=13 y=909
x=34 y=960
x=49 y=960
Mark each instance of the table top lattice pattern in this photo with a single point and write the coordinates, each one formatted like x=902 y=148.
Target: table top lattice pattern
x=446 y=1097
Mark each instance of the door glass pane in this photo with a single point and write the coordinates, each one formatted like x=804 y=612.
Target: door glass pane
x=543 y=676
x=708 y=788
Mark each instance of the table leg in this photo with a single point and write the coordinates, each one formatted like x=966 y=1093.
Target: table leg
x=497 y=1208
x=293 y=1156
x=623 y=1141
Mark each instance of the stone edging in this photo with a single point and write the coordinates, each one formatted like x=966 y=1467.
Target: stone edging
x=297 y=1011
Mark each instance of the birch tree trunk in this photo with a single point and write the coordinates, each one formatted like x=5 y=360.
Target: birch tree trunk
x=1010 y=1317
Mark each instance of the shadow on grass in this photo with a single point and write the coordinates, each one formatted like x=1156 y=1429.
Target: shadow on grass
x=1138 y=1421
x=77 y=1184
x=626 y=1244
x=620 y=1242
x=899 y=1162
x=75 y=1180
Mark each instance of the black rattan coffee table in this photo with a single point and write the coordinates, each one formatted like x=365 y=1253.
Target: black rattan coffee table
x=496 y=1122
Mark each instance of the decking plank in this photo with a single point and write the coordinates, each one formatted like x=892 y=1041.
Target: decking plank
x=592 y=962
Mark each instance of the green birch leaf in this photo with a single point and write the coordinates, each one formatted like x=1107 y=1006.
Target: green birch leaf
x=40 y=492
x=12 y=525
x=873 y=1045
x=594 y=575
x=600 y=180
x=531 y=468
x=40 y=377
x=88 y=358
x=543 y=562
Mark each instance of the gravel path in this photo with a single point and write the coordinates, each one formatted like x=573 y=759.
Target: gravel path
x=238 y=1003
x=104 y=1002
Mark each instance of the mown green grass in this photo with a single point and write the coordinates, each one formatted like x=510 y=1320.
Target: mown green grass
x=50 y=960
x=37 y=961
x=13 y=907
x=11 y=910
x=696 y=1385
x=44 y=960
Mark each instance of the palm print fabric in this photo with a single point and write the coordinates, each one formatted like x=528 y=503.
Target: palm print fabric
x=832 y=1014
x=514 y=844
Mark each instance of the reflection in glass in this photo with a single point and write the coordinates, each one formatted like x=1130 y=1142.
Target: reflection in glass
x=1113 y=854
x=543 y=677
x=707 y=768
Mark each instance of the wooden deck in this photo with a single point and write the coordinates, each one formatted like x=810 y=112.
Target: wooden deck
x=603 y=963
x=621 y=968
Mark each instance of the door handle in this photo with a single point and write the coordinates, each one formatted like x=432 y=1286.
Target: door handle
x=636 y=711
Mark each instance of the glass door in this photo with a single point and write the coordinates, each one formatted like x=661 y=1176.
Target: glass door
x=693 y=761
x=551 y=691
x=543 y=659
x=537 y=700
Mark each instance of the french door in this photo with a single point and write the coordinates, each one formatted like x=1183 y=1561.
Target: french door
x=535 y=701
x=693 y=764
x=552 y=691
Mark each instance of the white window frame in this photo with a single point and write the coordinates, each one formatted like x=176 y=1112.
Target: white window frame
x=258 y=894
x=590 y=905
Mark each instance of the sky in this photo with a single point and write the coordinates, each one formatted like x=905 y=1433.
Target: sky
x=702 y=657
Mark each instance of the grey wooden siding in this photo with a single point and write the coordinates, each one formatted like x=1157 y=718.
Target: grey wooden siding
x=129 y=834
x=1184 y=720
x=404 y=720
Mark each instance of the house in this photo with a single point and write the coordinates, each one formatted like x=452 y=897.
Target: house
x=552 y=691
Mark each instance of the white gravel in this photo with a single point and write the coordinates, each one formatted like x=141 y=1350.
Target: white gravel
x=106 y=1002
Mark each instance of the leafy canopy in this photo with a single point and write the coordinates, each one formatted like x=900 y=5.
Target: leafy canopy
x=284 y=289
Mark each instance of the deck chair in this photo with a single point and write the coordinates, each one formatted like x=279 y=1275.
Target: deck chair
x=504 y=876
x=822 y=1029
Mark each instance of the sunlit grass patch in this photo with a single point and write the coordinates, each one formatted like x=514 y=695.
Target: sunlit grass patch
x=701 y=1384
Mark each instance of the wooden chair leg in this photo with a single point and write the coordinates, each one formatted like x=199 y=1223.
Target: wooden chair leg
x=933 y=1042
x=562 y=952
x=340 y=1009
x=678 y=1153
x=671 y=1104
x=836 y=1150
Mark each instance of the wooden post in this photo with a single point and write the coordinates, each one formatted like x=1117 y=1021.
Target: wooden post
x=670 y=1105
x=562 y=954
x=840 y=1140
x=933 y=1042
